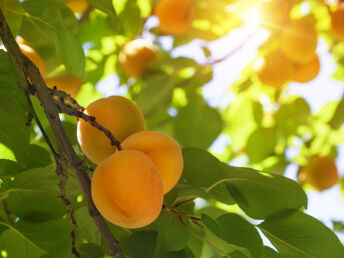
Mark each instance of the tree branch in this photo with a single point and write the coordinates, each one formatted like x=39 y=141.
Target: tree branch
x=26 y=69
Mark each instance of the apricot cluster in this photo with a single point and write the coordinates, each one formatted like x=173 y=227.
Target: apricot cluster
x=128 y=185
x=295 y=58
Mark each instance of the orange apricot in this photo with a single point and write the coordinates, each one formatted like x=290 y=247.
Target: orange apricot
x=135 y=56
x=163 y=150
x=77 y=6
x=275 y=69
x=337 y=23
x=307 y=72
x=127 y=189
x=321 y=172
x=117 y=114
x=175 y=16
x=299 y=40
x=69 y=84
x=30 y=53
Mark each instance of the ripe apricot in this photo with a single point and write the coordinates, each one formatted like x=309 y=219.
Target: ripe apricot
x=337 y=23
x=307 y=72
x=275 y=13
x=30 y=53
x=69 y=84
x=175 y=16
x=275 y=69
x=321 y=172
x=127 y=189
x=117 y=114
x=77 y=6
x=163 y=150
x=299 y=41
x=135 y=55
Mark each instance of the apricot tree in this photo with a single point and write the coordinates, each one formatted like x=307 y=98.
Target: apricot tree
x=111 y=146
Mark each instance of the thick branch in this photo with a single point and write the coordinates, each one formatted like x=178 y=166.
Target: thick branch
x=26 y=69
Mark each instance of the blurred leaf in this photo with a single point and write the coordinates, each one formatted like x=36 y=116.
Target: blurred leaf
x=291 y=115
x=235 y=230
x=242 y=117
x=338 y=226
x=11 y=8
x=296 y=234
x=156 y=93
x=261 y=144
x=130 y=19
x=107 y=7
x=338 y=117
x=191 y=128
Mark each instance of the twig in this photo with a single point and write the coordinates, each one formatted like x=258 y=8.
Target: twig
x=8 y=212
x=63 y=96
x=183 y=203
x=25 y=68
x=61 y=169
x=62 y=108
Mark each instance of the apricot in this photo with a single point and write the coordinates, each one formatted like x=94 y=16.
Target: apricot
x=321 y=172
x=77 y=6
x=127 y=189
x=299 y=40
x=163 y=150
x=275 y=69
x=337 y=23
x=30 y=53
x=135 y=56
x=69 y=84
x=117 y=114
x=307 y=72
x=275 y=13
x=175 y=16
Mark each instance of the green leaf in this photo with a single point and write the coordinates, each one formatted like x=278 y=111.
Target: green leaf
x=261 y=144
x=172 y=236
x=90 y=250
x=37 y=187
x=270 y=253
x=259 y=194
x=291 y=115
x=139 y=244
x=87 y=230
x=296 y=234
x=14 y=134
x=235 y=230
x=191 y=129
x=37 y=239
